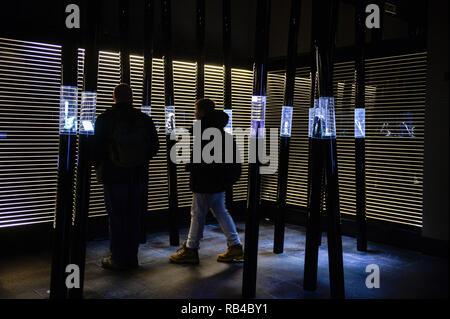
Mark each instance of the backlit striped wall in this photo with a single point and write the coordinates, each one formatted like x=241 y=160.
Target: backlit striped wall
x=395 y=108
x=30 y=77
x=396 y=92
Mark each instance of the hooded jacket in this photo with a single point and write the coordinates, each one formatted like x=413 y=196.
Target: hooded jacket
x=212 y=177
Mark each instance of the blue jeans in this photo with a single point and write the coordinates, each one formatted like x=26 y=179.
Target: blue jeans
x=201 y=203
x=124 y=207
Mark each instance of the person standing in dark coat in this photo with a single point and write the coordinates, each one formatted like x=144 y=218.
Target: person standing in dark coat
x=208 y=182
x=125 y=141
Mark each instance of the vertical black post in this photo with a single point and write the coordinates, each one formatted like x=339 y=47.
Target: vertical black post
x=377 y=34
x=200 y=36
x=254 y=185
x=124 y=23
x=147 y=94
x=227 y=104
x=315 y=176
x=84 y=163
x=169 y=101
x=324 y=42
x=313 y=231
x=66 y=164
x=360 y=155
x=283 y=162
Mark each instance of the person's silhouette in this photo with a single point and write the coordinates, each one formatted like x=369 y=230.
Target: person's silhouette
x=125 y=140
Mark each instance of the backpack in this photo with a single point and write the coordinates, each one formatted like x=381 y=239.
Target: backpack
x=129 y=140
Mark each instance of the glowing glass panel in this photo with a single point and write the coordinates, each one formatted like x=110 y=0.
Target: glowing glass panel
x=68 y=109
x=360 y=123
x=87 y=113
x=170 y=119
x=286 y=121
x=258 y=116
x=324 y=122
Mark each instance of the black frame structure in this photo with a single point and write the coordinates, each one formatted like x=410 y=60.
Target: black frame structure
x=360 y=156
x=66 y=165
x=166 y=13
x=200 y=37
x=124 y=24
x=323 y=174
x=254 y=184
x=278 y=243
x=227 y=105
x=85 y=149
x=147 y=93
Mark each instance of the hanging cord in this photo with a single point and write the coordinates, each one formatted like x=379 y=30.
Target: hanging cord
x=317 y=80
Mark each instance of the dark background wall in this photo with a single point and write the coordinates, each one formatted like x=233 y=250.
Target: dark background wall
x=42 y=21
x=435 y=217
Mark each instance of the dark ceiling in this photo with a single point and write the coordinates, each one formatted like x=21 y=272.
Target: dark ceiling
x=41 y=21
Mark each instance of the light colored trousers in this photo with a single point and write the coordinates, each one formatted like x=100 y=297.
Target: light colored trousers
x=201 y=203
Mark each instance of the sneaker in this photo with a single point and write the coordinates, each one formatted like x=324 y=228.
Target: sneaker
x=234 y=254
x=108 y=263
x=185 y=255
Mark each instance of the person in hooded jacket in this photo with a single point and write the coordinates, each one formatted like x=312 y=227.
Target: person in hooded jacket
x=208 y=182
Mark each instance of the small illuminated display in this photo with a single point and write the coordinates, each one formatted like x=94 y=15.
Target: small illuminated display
x=311 y=120
x=286 y=121
x=229 y=127
x=146 y=109
x=324 y=122
x=68 y=109
x=170 y=119
x=87 y=126
x=258 y=116
x=87 y=114
x=360 y=123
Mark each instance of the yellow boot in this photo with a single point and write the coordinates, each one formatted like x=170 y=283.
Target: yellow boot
x=234 y=254
x=185 y=255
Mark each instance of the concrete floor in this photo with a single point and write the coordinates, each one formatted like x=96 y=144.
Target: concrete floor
x=404 y=274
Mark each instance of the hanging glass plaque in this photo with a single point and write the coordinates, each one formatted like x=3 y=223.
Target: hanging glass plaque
x=360 y=123
x=323 y=123
x=258 y=116
x=87 y=114
x=68 y=109
x=286 y=121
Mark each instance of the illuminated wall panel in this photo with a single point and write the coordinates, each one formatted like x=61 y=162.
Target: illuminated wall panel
x=344 y=93
x=275 y=99
x=30 y=79
x=158 y=188
x=395 y=120
x=214 y=77
x=184 y=85
x=80 y=83
x=297 y=189
x=241 y=97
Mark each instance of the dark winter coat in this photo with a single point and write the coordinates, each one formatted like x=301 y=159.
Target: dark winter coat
x=107 y=172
